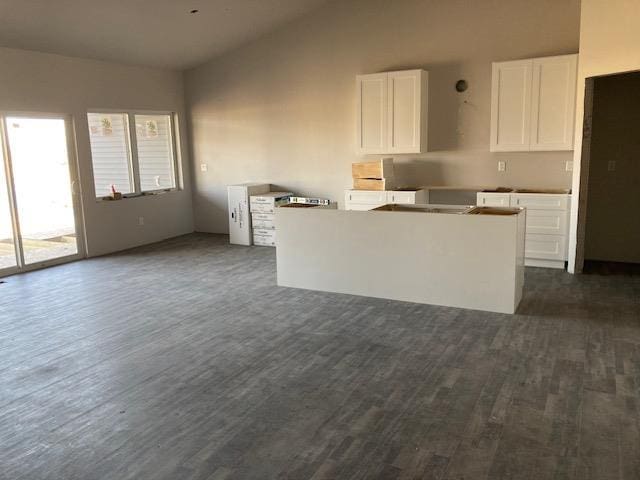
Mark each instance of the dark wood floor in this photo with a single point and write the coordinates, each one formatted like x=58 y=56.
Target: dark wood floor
x=182 y=360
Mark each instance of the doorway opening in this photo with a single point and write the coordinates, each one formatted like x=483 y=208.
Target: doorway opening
x=608 y=216
x=39 y=204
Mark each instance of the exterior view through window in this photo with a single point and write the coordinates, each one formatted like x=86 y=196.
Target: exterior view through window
x=155 y=152
x=132 y=153
x=109 y=134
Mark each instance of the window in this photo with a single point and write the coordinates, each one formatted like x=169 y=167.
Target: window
x=133 y=152
x=155 y=152
x=109 y=135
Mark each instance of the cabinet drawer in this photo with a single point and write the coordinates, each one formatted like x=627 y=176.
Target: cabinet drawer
x=544 y=201
x=548 y=247
x=359 y=206
x=493 y=199
x=366 y=197
x=546 y=222
x=405 y=197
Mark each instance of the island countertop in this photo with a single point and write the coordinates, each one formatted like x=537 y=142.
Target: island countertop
x=469 y=257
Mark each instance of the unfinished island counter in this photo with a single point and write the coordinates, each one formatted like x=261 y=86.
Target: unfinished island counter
x=468 y=257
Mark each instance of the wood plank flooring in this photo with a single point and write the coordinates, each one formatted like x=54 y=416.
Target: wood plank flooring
x=182 y=360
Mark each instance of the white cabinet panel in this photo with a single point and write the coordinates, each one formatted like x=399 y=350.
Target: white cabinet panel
x=511 y=106
x=487 y=199
x=412 y=197
x=553 y=102
x=547 y=222
x=547 y=247
x=369 y=199
x=392 y=112
x=372 y=113
x=366 y=197
x=540 y=201
x=405 y=111
x=533 y=104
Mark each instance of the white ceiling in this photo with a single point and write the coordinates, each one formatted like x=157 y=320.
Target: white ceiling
x=159 y=33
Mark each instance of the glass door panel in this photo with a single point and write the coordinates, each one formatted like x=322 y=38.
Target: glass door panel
x=7 y=246
x=42 y=184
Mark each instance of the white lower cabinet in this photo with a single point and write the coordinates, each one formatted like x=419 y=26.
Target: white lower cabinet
x=547 y=224
x=545 y=247
x=493 y=199
x=370 y=199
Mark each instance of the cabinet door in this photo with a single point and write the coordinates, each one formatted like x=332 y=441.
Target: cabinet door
x=540 y=202
x=493 y=199
x=372 y=113
x=511 y=106
x=366 y=197
x=406 y=116
x=401 y=197
x=553 y=102
x=545 y=247
x=547 y=222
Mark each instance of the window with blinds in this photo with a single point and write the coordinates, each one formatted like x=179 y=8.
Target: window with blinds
x=155 y=152
x=110 y=153
x=133 y=152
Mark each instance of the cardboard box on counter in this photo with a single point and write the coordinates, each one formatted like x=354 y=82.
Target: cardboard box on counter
x=267 y=202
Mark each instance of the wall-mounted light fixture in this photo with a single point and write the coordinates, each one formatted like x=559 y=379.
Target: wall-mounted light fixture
x=461 y=86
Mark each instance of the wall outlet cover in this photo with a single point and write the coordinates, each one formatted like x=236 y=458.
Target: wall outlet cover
x=140 y=220
x=204 y=167
x=568 y=166
x=502 y=166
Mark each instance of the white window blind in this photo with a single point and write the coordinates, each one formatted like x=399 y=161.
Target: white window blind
x=154 y=144
x=109 y=136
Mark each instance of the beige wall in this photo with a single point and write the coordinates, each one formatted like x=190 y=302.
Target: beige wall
x=611 y=234
x=37 y=82
x=609 y=43
x=282 y=109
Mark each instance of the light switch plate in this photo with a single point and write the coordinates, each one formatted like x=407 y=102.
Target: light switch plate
x=568 y=166
x=502 y=166
x=204 y=167
x=611 y=165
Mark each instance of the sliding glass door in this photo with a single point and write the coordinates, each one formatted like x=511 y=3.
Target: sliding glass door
x=39 y=206
x=8 y=258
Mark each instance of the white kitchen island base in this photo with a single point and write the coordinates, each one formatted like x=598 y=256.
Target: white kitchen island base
x=471 y=261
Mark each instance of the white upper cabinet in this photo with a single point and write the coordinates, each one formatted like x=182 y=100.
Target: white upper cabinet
x=553 y=102
x=511 y=106
x=392 y=112
x=533 y=104
x=372 y=113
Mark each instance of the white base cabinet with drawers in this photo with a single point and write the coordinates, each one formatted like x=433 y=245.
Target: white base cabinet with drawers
x=370 y=199
x=547 y=224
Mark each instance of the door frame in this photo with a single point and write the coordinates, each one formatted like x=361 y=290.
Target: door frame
x=74 y=186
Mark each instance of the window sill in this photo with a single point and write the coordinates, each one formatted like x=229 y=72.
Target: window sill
x=128 y=196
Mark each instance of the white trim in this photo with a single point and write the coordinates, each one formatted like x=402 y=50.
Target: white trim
x=11 y=188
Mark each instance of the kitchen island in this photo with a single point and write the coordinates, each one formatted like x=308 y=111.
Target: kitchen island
x=468 y=257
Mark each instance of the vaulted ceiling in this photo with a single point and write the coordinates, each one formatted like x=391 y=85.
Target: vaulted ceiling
x=158 y=33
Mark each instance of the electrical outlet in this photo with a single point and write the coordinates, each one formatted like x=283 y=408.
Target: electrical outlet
x=568 y=166
x=611 y=165
x=204 y=167
x=502 y=166
x=140 y=220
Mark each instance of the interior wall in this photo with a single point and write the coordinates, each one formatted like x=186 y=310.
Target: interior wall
x=609 y=39
x=613 y=193
x=38 y=82
x=282 y=108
